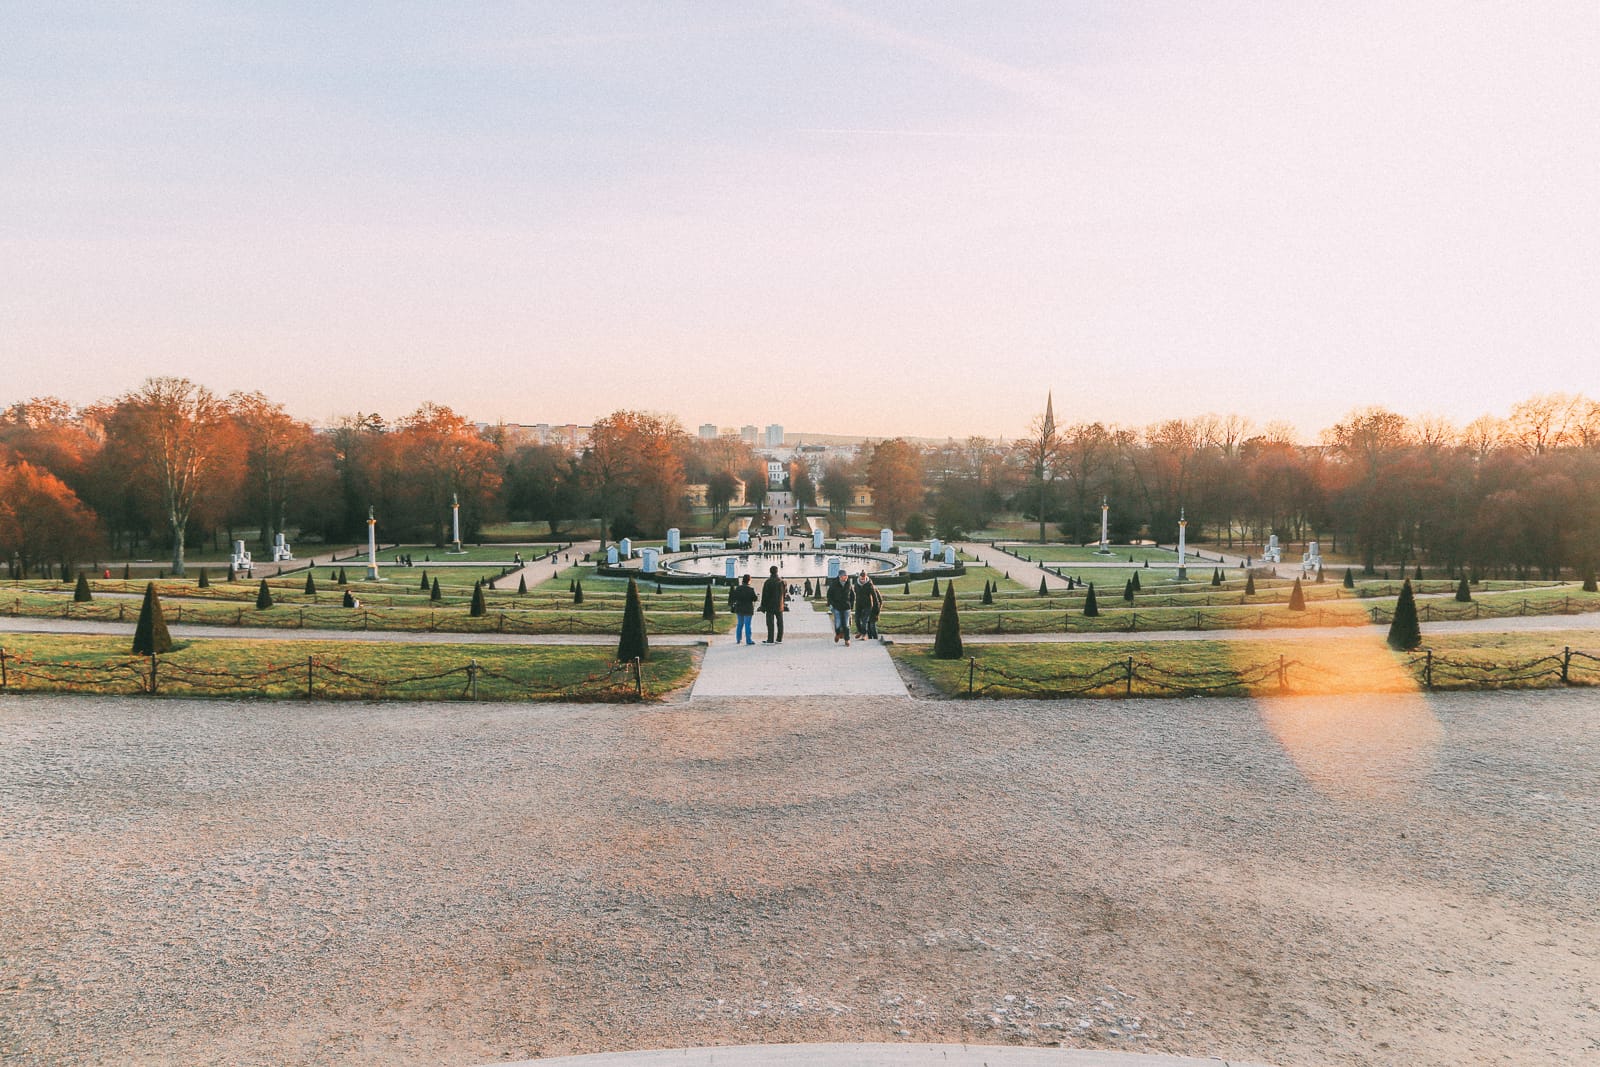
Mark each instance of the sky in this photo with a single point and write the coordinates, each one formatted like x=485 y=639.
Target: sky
x=847 y=217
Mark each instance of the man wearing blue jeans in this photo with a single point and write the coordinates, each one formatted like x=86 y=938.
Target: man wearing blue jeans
x=839 y=602
x=744 y=611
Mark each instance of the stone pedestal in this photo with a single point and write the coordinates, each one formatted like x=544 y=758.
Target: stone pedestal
x=885 y=540
x=672 y=540
x=611 y=555
x=913 y=561
x=950 y=555
x=816 y=538
x=727 y=569
x=626 y=546
x=833 y=566
x=649 y=565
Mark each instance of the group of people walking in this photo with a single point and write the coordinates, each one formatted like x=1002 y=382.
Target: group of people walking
x=849 y=600
x=858 y=598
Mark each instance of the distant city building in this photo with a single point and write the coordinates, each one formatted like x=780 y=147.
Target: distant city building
x=774 y=436
x=747 y=434
x=708 y=431
x=570 y=435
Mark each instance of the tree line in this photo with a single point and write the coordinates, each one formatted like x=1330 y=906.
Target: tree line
x=170 y=464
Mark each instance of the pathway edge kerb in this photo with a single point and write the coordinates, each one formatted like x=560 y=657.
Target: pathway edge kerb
x=876 y=1055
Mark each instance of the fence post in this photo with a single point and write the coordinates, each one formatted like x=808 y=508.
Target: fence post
x=472 y=679
x=1283 y=683
x=3 y=679
x=972 y=670
x=1427 y=670
x=1566 y=663
x=311 y=676
x=121 y=607
x=1128 y=688
x=363 y=618
x=638 y=679
x=1524 y=606
x=502 y=622
x=1133 y=623
x=153 y=658
x=302 y=618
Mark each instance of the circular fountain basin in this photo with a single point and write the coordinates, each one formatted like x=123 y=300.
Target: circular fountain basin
x=790 y=564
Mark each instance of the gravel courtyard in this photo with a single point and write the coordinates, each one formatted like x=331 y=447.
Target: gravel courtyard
x=1386 y=880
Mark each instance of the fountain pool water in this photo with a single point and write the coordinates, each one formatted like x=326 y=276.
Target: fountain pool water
x=789 y=564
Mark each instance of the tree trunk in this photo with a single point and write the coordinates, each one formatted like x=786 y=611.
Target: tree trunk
x=177 y=543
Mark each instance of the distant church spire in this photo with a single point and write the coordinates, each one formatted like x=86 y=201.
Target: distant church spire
x=1049 y=413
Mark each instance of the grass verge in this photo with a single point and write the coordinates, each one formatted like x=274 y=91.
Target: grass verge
x=337 y=670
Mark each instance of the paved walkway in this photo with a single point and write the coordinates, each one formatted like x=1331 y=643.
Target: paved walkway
x=808 y=662
x=905 y=1055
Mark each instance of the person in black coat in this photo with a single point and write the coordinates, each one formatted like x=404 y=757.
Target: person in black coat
x=840 y=600
x=773 y=603
x=743 y=599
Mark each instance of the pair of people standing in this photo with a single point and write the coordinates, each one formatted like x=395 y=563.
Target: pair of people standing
x=773 y=603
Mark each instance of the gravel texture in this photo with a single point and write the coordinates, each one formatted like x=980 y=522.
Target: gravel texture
x=1385 y=880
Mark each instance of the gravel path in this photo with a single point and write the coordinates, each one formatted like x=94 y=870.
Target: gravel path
x=1387 y=880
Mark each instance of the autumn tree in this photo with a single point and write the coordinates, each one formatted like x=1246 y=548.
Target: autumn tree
x=634 y=471
x=42 y=522
x=894 y=471
x=838 y=482
x=444 y=458
x=287 y=464
x=174 y=435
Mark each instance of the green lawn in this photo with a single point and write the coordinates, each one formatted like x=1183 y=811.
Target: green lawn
x=336 y=670
x=1230 y=668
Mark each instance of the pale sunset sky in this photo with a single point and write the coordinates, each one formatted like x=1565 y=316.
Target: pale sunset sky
x=862 y=216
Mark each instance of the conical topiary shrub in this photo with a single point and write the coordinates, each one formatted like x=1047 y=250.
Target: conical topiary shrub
x=344 y=579
x=80 y=593
x=1320 y=578
x=947 y=642
x=988 y=593
x=479 y=608
x=311 y=584
x=1249 y=585
x=935 y=590
x=522 y=585
x=150 y=636
x=708 y=609
x=577 y=591
x=1297 y=598
x=1418 y=575
x=633 y=644
x=127 y=572
x=1216 y=576
x=1091 y=609
x=905 y=590
x=1137 y=588
x=1463 y=591
x=1349 y=578
x=1043 y=589
x=263 y=596
x=205 y=579
x=1404 y=632
x=1127 y=590
x=424 y=586
x=433 y=591
x=572 y=585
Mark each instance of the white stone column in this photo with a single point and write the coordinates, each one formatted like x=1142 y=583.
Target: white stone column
x=372 y=547
x=455 y=525
x=1183 y=529
x=1105 y=514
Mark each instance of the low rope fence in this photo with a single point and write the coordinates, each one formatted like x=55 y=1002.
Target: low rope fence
x=1130 y=674
x=316 y=677
x=1456 y=611
x=1118 y=621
